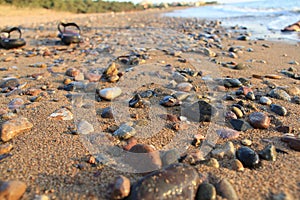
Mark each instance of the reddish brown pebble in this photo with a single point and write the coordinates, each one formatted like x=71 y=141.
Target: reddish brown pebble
x=259 y=120
x=92 y=160
x=121 y=188
x=293 y=142
x=12 y=190
x=130 y=143
x=237 y=165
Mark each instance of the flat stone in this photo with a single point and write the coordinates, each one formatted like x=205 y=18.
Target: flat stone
x=293 y=142
x=291 y=90
x=62 y=114
x=279 y=94
x=232 y=82
x=237 y=112
x=5 y=148
x=9 y=82
x=200 y=111
x=121 y=188
x=179 y=78
x=259 y=120
x=92 y=77
x=14 y=127
x=84 y=127
x=240 y=125
x=206 y=191
x=226 y=190
x=278 y=109
x=228 y=133
x=125 y=131
x=209 y=52
x=110 y=93
x=12 y=190
x=176 y=181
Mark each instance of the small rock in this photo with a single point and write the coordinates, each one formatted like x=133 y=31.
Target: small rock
x=237 y=165
x=5 y=148
x=137 y=102
x=193 y=157
x=284 y=129
x=41 y=197
x=14 y=127
x=173 y=182
x=121 y=188
x=278 y=109
x=15 y=103
x=226 y=190
x=273 y=76
x=62 y=114
x=259 y=120
x=246 y=142
x=9 y=83
x=12 y=190
x=240 y=125
x=293 y=142
x=84 y=127
x=169 y=157
x=212 y=162
x=226 y=150
x=110 y=93
x=227 y=133
x=206 y=191
x=237 y=111
x=265 y=100
x=232 y=82
x=268 y=153
x=107 y=113
x=291 y=90
x=230 y=115
x=72 y=72
x=243 y=38
x=279 y=94
x=179 y=78
x=170 y=101
x=209 y=52
x=130 y=143
x=200 y=111
x=184 y=87
x=125 y=131
x=248 y=157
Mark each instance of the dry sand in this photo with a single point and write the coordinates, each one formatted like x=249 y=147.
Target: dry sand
x=53 y=162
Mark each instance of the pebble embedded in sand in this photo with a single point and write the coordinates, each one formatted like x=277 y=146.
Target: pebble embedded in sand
x=279 y=94
x=227 y=133
x=12 y=190
x=226 y=190
x=278 y=109
x=206 y=191
x=259 y=120
x=110 y=93
x=248 y=157
x=14 y=127
x=62 y=114
x=265 y=100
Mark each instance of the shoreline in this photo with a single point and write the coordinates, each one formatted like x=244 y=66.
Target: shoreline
x=54 y=162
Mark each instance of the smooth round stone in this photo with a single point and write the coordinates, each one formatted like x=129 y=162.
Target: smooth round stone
x=206 y=191
x=237 y=112
x=278 y=109
x=179 y=78
x=184 y=87
x=110 y=93
x=226 y=190
x=225 y=150
x=237 y=165
x=248 y=157
x=170 y=101
x=121 y=188
x=259 y=120
x=265 y=100
x=73 y=72
x=250 y=96
x=62 y=114
x=232 y=82
x=268 y=153
x=230 y=115
x=227 y=133
x=176 y=181
x=107 y=113
x=279 y=94
x=181 y=95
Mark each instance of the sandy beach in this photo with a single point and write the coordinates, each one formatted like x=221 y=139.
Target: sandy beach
x=179 y=62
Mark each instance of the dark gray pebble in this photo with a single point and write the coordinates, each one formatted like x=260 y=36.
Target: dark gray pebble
x=248 y=157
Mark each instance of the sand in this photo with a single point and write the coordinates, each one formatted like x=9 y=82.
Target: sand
x=53 y=162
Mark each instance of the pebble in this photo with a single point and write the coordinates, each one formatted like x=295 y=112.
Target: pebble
x=179 y=78
x=121 y=188
x=72 y=72
x=248 y=157
x=237 y=165
x=243 y=38
x=137 y=102
x=273 y=76
x=226 y=190
x=232 y=82
x=15 y=103
x=240 y=125
x=169 y=157
x=200 y=111
x=209 y=52
x=237 y=111
x=110 y=93
x=291 y=90
x=227 y=133
x=5 y=148
x=265 y=100
x=268 y=153
x=84 y=127
x=206 y=191
x=62 y=114
x=278 y=109
x=107 y=113
x=12 y=190
x=250 y=96
x=225 y=150
x=125 y=131
x=9 y=83
x=284 y=129
x=170 y=101
x=246 y=142
x=259 y=120
x=212 y=162
x=184 y=87
x=145 y=158
x=279 y=94
x=41 y=197
x=230 y=115
x=176 y=181
x=193 y=157
x=293 y=142
x=14 y=127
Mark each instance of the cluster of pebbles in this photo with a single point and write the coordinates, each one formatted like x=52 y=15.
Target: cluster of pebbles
x=143 y=64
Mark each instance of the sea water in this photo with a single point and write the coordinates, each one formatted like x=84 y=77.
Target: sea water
x=264 y=18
